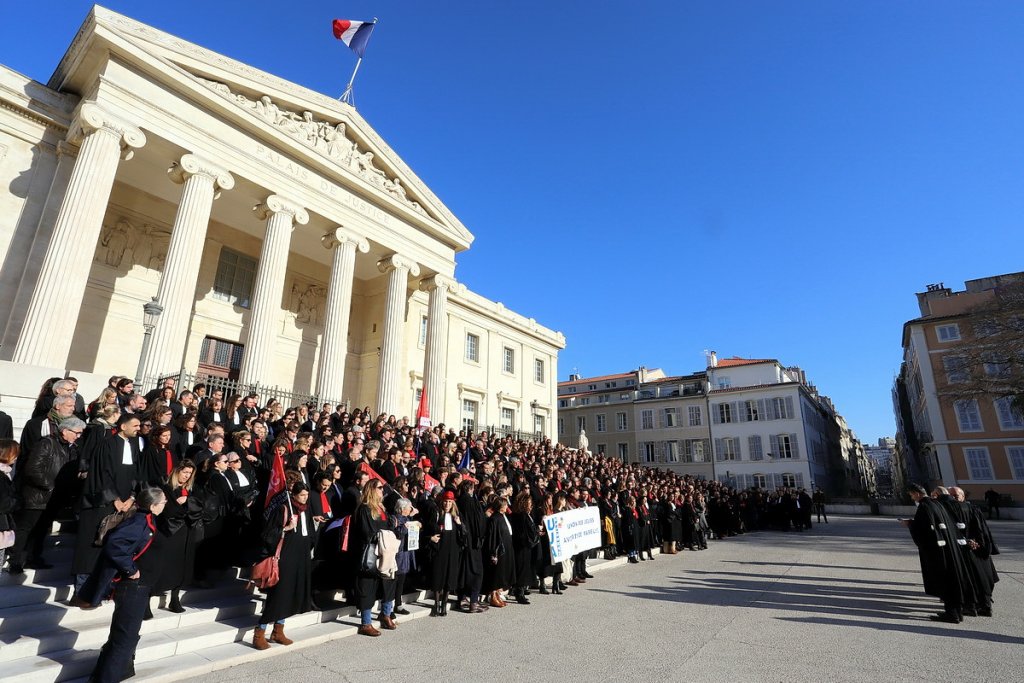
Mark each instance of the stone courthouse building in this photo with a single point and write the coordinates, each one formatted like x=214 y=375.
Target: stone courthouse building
x=288 y=245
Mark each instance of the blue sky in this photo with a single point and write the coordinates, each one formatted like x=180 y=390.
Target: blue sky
x=766 y=179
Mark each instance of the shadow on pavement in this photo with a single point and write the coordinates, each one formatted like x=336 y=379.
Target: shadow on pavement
x=825 y=566
x=951 y=631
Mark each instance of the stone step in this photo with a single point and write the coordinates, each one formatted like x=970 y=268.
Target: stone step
x=165 y=648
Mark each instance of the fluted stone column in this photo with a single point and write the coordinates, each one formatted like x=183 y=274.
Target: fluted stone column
x=281 y=215
x=330 y=378
x=202 y=181
x=398 y=269
x=434 y=369
x=45 y=337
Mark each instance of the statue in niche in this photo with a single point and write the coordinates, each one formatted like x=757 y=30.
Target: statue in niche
x=117 y=239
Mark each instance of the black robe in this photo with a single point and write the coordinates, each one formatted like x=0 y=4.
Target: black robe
x=446 y=554
x=526 y=541
x=110 y=478
x=502 y=572
x=153 y=469
x=293 y=593
x=180 y=528
x=978 y=568
x=474 y=522
x=629 y=538
x=368 y=586
x=942 y=565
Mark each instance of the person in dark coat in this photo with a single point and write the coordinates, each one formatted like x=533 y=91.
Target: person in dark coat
x=41 y=426
x=181 y=530
x=499 y=554
x=978 y=568
x=129 y=562
x=112 y=479
x=668 y=518
x=629 y=539
x=983 y=546
x=6 y=426
x=369 y=519
x=9 y=450
x=525 y=541
x=644 y=522
x=157 y=459
x=445 y=538
x=474 y=523
x=290 y=524
x=46 y=480
x=942 y=565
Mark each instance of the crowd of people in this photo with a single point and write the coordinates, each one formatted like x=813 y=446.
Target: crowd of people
x=172 y=488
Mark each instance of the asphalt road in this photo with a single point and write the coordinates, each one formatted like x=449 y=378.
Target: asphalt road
x=841 y=602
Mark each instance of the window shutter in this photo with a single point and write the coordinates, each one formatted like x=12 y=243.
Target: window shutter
x=774 y=443
x=770 y=409
x=790 y=413
x=714 y=413
x=760 y=409
x=718 y=450
x=736 y=410
x=794 y=446
x=738 y=449
x=799 y=479
x=752 y=447
x=776 y=481
x=743 y=411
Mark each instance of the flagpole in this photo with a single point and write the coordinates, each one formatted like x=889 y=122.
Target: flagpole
x=346 y=96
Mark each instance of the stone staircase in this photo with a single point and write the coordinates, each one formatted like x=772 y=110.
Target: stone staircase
x=43 y=640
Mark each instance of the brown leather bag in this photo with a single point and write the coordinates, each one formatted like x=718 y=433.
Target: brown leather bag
x=266 y=573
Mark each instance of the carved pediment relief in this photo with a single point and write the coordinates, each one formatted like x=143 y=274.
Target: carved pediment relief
x=329 y=138
x=307 y=301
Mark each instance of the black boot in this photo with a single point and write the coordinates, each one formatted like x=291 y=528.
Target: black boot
x=175 y=604
x=436 y=611
x=444 y=604
x=149 y=612
x=555 y=590
x=543 y=589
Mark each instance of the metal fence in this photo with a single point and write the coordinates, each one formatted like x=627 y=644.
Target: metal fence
x=287 y=397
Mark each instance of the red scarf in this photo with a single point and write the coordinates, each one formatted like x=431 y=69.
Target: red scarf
x=325 y=506
x=170 y=461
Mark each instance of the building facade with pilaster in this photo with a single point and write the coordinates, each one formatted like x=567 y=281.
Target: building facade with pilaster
x=287 y=246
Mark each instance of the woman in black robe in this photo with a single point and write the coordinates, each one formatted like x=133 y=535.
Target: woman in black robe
x=499 y=554
x=474 y=523
x=157 y=459
x=629 y=539
x=545 y=566
x=644 y=522
x=216 y=496
x=369 y=519
x=445 y=538
x=181 y=530
x=667 y=517
x=525 y=539
x=290 y=524
x=186 y=434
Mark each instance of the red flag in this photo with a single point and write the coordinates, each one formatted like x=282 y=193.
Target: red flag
x=276 y=484
x=422 y=414
x=429 y=482
x=364 y=467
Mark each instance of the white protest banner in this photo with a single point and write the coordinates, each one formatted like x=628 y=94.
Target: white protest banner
x=414 y=535
x=573 y=531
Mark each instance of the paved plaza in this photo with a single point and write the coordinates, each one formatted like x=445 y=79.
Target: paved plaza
x=842 y=602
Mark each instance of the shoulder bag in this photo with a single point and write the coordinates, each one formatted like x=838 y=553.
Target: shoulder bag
x=267 y=572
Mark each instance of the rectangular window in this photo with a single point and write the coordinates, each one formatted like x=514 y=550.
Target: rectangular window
x=584 y=400
x=620 y=422
x=603 y=398
x=561 y=426
x=782 y=408
x=538 y=425
x=789 y=481
x=753 y=414
x=601 y=448
x=785 y=450
x=698 y=450
x=1015 y=454
x=694 y=415
x=220 y=358
x=1009 y=416
x=756 y=452
x=234 y=279
x=671 y=451
x=538 y=371
x=563 y=403
x=948 y=333
x=725 y=413
x=996 y=365
x=508 y=418
x=623 y=450
x=423 y=331
x=602 y=423
x=729 y=449
x=581 y=423
x=648 y=452
x=472 y=347
x=978 y=463
x=758 y=481
x=508 y=360
x=957 y=369
x=670 y=417
x=646 y=419
x=469 y=410
x=967 y=415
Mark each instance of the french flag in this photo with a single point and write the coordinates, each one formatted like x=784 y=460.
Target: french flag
x=355 y=34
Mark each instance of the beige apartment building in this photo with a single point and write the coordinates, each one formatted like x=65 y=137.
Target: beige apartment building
x=962 y=367
x=250 y=229
x=640 y=416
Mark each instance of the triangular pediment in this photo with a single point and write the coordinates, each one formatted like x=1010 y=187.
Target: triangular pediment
x=328 y=130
